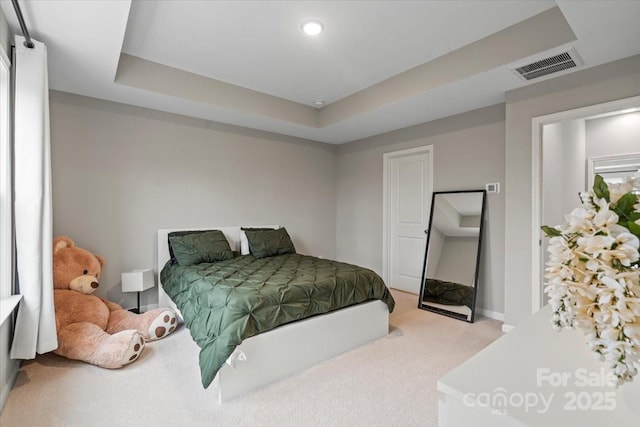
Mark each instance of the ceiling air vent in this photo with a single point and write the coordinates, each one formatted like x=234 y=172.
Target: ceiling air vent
x=554 y=64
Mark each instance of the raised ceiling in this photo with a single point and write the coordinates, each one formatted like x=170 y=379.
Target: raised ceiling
x=378 y=65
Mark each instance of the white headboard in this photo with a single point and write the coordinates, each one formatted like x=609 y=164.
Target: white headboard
x=231 y=233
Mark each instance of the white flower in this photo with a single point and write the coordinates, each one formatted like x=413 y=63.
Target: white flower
x=627 y=249
x=605 y=217
x=593 y=279
x=632 y=330
x=618 y=190
x=587 y=200
x=595 y=244
x=578 y=221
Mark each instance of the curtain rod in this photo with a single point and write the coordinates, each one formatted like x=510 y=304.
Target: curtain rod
x=28 y=43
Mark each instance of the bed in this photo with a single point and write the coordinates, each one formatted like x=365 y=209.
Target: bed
x=262 y=351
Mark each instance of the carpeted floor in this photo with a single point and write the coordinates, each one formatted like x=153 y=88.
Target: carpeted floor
x=389 y=382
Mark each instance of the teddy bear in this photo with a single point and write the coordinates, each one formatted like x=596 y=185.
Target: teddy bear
x=91 y=329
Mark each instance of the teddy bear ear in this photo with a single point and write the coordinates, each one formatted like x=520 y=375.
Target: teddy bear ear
x=62 y=242
x=101 y=260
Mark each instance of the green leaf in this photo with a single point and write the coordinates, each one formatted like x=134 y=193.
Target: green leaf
x=634 y=228
x=600 y=188
x=624 y=207
x=634 y=216
x=550 y=231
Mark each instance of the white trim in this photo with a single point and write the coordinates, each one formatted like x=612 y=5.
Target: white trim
x=507 y=328
x=536 y=177
x=144 y=308
x=4 y=57
x=490 y=314
x=7 y=305
x=591 y=163
x=386 y=158
x=536 y=166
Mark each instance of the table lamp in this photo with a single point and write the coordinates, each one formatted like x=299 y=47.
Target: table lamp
x=137 y=281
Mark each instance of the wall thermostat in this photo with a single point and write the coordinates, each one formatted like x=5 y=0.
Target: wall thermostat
x=493 y=187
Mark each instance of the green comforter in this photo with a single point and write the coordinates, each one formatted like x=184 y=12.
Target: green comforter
x=448 y=293
x=226 y=302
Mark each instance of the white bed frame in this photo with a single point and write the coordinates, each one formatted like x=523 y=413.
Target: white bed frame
x=290 y=348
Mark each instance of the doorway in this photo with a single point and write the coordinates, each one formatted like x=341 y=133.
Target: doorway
x=407 y=190
x=570 y=129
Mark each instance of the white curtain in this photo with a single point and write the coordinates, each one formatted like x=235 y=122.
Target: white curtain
x=35 y=324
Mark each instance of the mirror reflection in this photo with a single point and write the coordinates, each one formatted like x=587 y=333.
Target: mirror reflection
x=454 y=239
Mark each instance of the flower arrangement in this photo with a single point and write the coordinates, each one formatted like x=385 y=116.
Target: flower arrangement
x=593 y=274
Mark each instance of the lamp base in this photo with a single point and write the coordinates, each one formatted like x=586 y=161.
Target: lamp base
x=137 y=309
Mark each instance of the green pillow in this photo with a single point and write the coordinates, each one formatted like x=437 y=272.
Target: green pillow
x=264 y=243
x=194 y=247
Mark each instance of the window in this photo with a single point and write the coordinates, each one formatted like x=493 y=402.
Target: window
x=615 y=169
x=6 y=228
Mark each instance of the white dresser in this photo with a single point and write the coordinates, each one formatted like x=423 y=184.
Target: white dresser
x=535 y=376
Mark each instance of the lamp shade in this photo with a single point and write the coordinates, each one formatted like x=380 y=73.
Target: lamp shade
x=137 y=280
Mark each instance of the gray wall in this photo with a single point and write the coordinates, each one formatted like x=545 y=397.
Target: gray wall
x=609 y=82
x=436 y=242
x=468 y=152
x=122 y=172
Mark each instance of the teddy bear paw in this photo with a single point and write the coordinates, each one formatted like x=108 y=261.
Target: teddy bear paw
x=163 y=325
x=118 y=350
x=136 y=345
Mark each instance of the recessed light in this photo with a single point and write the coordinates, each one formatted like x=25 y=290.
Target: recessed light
x=312 y=28
x=318 y=103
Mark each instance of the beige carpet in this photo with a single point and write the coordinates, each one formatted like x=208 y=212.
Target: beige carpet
x=389 y=382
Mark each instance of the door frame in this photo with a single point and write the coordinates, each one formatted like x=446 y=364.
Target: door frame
x=536 y=178
x=386 y=216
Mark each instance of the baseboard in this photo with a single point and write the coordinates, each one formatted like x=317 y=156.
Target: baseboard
x=149 y=307
x=144 y=308
x=507 y=328
x=490 y=314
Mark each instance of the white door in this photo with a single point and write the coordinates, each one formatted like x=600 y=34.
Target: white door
x=409 y=185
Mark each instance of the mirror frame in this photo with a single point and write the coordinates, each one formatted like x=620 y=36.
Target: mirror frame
x=453 y=314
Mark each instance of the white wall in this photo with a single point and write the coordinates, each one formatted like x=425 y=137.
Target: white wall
x=122 y=172
x=609 y=82
x=563 y=169
x=468 y=152
x=4 y=34
x=452 y=265
x=566 y=147
x=611 y=135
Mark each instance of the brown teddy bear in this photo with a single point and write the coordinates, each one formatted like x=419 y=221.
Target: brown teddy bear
x=89 y=328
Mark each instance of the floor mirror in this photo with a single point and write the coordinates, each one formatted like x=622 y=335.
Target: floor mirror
x=452 y=257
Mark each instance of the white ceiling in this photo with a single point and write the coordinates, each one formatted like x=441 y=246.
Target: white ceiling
x=366 y=48
x=259 y=45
